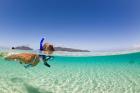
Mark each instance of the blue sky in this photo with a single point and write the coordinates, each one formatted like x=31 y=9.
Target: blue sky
x=84 y=24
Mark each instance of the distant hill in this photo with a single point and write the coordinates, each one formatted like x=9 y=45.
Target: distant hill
x=56 y=49
x=69 y=49
x=22 y=48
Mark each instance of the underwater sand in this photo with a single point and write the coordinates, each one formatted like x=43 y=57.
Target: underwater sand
x=74 y=74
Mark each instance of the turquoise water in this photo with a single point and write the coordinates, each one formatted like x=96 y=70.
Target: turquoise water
x=89 y=74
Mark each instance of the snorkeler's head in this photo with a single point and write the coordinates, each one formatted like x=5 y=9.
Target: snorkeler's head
x=48 y=48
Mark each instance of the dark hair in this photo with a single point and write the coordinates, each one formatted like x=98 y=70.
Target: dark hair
x=48 y=47
x=51 y=48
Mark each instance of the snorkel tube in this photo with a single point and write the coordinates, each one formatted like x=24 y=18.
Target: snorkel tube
x=41 y=44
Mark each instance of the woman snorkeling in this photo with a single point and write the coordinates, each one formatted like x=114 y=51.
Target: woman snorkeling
x=46 y=51
x=32 y=59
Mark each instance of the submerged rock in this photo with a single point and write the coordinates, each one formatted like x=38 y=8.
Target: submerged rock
x=26 y=58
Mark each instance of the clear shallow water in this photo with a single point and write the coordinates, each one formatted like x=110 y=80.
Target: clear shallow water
x=69 y=74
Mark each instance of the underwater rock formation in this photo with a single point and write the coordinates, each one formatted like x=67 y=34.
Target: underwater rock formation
x=26 y=58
